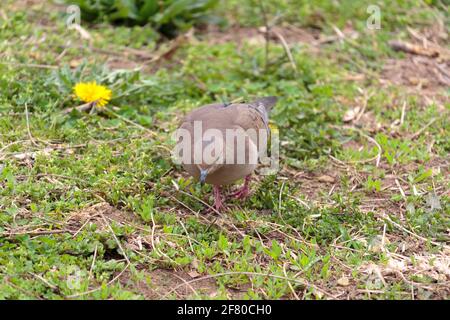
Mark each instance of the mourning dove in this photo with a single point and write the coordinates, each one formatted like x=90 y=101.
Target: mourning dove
x=225 y=142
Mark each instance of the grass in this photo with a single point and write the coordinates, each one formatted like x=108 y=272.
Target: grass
x=91 y=206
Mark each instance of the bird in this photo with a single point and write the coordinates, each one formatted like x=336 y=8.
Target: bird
x=221 y=143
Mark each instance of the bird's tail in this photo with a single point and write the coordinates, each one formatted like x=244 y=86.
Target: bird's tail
x=267 y=102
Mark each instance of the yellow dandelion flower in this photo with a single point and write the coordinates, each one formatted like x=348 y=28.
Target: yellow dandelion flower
x=91 y=92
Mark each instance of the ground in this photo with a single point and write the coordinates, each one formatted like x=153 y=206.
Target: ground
x=92 y=207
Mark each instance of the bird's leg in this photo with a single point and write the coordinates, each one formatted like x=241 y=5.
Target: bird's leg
x=244 y=191
x=218 y=204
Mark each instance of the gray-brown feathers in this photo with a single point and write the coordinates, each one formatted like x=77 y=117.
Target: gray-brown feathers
x=236 y=118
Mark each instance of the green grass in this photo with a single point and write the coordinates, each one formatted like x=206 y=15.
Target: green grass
x=91 y=206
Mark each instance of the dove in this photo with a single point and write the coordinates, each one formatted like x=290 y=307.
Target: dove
x=221 y=143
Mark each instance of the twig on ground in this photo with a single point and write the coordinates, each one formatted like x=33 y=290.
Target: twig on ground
x=152 y=239
x=173 y=47
x=279 y=202
x=115 y=238
x=402 y=117
x=29 y=65
x=28 y=126
x=34 y=232
x=131 y=122
x=83 y=225
x=9 y=145
x=187 y=234
x=93 y=263
x=287 y=49
x=186 y=283
x=363 y=109
x=418 y=133
x=385 y=217
x=289 y=283
x=84 y=107
x=377 y=157
x=51 y=286
x=413 y=49
x=401 y=189
x=300 y=200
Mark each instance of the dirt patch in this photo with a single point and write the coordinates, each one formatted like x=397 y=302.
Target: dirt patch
x=22 y=4
x=252 y=35
x=425 y=69
x=315 y=185
x=159 y=283
x=353 y=145
x=119 y=64
x=422 y=73
x=95 y=214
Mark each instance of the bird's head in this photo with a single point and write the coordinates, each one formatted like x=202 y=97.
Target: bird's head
x=203 y=174
x=212 y=155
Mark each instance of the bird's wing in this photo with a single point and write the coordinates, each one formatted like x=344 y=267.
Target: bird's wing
x=246 y=117
x=221 y=116
x=234 y=116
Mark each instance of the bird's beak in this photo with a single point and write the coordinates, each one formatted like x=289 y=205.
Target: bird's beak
x=203 y=174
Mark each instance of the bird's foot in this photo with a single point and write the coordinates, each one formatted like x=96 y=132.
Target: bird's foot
x=241 y=193
x=218 y=203
x=244 y=191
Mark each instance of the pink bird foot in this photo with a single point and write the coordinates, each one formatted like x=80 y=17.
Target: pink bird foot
x=244 y=191
x=218 y=203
